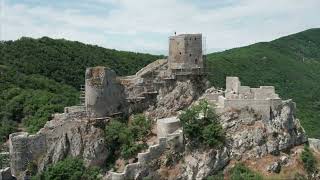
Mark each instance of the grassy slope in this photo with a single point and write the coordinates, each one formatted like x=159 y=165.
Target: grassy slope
x=291 y=64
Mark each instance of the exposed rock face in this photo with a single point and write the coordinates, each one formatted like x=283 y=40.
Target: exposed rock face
x=274 y=167
x=314 y=144
x=25 y=148
x=201 y=163
x=251 y=137
x=65 y=135
x=256 y=121
x=177 y=96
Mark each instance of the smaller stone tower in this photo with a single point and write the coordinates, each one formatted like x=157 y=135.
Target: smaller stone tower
x=104 y=95
x=185 y=52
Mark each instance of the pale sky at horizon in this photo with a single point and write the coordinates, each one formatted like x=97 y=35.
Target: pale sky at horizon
x=144 y=25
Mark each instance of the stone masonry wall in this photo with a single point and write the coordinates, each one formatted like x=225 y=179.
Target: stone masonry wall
x=185 y=51
x=234 y=90
x=262 y=100
x=104 y=95
x=132 y=170
x=25 y=149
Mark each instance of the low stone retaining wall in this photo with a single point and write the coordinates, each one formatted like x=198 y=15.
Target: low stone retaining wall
x=167 y=126
x=153 y=152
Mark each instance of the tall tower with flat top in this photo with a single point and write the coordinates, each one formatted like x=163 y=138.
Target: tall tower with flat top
x=185 y=52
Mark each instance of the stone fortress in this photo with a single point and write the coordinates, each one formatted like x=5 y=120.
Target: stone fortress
x=107 y=95
x=261 y=100
x=170 y=85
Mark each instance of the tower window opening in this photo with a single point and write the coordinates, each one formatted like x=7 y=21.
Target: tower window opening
x=190 y=55
x=196 y=61
x=180 y=53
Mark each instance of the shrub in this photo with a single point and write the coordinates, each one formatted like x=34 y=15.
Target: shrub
x=123 y=138
x=39 y=119
x=91 y=174
x=308 y=159
x=218 y=176
x=140 y=126
x=69 y=168
x=241 y=172
x=6 y=127
x=117 y=133
x=130 y=150
x=200 y=125
x=4 y=161
x=213 y=134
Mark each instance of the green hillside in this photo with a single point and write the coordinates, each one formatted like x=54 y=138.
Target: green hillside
x=291 y=64
x=65 y=61
x=41 y=76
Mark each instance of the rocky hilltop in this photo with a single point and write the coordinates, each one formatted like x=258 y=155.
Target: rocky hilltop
x=261 y=129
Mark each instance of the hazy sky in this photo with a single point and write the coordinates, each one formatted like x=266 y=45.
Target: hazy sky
x=144 y=25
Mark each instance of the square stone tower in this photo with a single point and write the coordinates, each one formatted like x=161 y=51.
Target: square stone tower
x=185 y=52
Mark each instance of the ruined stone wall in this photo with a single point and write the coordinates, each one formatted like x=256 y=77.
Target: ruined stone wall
x=154 y=66
x=265 y=92
x=232 y=84
x=25 y=149
x=143 y=89
x=262 y=100
x=245 y=92
x=212 y=95
x=185 y=51
x=74 y=109
x=144 y=80
x=153 y=152
x=234 y=90
x=104 y=95
x=262 y=107
x=173 y=137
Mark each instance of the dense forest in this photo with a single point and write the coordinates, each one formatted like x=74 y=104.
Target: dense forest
x=291 y=64
x=41 y=76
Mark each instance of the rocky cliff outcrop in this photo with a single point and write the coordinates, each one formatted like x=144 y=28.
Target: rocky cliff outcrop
x=200 y=163
x=314 y=144
x=256 y=121
x=250 y=137
x=68 y=134
x=177 y=96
